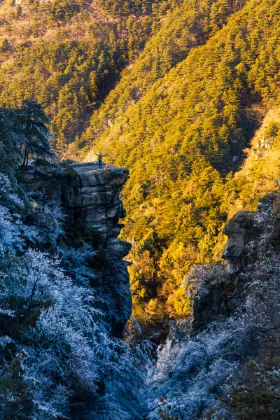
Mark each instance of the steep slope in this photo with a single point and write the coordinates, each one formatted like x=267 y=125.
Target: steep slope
x=190 y=24
x=69 y=54
x=260 y=172
x=181 y=140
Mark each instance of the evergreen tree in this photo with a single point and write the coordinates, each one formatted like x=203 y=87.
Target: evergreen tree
x=33 y=125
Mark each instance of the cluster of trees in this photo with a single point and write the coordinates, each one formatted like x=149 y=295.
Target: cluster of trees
x=180 y=119
x=63 y=10
x=68 y=55
x=24 y=132
x=187 y=26
x=129 y=7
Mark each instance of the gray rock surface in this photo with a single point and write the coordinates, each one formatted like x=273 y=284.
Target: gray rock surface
x=219 y=290
x=240 y=231
x=92 y=196
x=211 y=300
x=91 y=199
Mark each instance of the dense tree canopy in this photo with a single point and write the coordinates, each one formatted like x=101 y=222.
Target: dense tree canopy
x=69 y=54
x=24 y=133
x=181 y=125
x=172 y=89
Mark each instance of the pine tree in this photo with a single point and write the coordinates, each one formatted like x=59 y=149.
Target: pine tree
x=33 y=125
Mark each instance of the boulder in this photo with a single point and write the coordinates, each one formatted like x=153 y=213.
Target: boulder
x=240 y=231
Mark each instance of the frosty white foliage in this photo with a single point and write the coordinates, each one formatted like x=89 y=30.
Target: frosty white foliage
x=69 y=348
x=10 y=232
x=59 y=342
x=7 y=196
x=30 y=233
x=7 y=312
x=5 y=340
x=189 y=377
x=13 y=232
x=49 y=222
x=76 y=261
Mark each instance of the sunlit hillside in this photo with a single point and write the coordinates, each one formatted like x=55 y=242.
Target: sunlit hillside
x=139 y=209
x=180 y=119
x=69 y=54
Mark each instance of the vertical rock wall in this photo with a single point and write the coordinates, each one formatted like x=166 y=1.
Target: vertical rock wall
x=223 y=287
x=91 y=199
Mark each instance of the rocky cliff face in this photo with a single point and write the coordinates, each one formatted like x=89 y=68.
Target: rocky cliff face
x=240 y=231
x=91 y=199
x=219 y=290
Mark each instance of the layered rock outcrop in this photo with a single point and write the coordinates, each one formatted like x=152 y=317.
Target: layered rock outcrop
x=210 y=296
x=91 y=199
x=247 y=227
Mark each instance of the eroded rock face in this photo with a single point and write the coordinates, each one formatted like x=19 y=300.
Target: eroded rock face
x=220 y=289
x=240 y=230
x=91 y=198
x=210 y=300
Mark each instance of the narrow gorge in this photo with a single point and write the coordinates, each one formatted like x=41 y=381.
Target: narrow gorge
x=139 y=210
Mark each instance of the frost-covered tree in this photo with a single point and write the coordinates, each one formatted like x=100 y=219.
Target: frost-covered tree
x=23 y=132
x=63 y=354
x=11 y=140
x=57 y=356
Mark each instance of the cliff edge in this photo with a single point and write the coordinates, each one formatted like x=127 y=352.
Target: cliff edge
x=90 y=197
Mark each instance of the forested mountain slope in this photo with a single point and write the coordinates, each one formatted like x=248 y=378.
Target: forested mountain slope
x=172 y=89
x=183 y=140
x=190 y=24
x=195 y=117
x=69 y=54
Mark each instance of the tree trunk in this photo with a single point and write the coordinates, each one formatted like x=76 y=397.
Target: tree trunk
x=25 y=160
